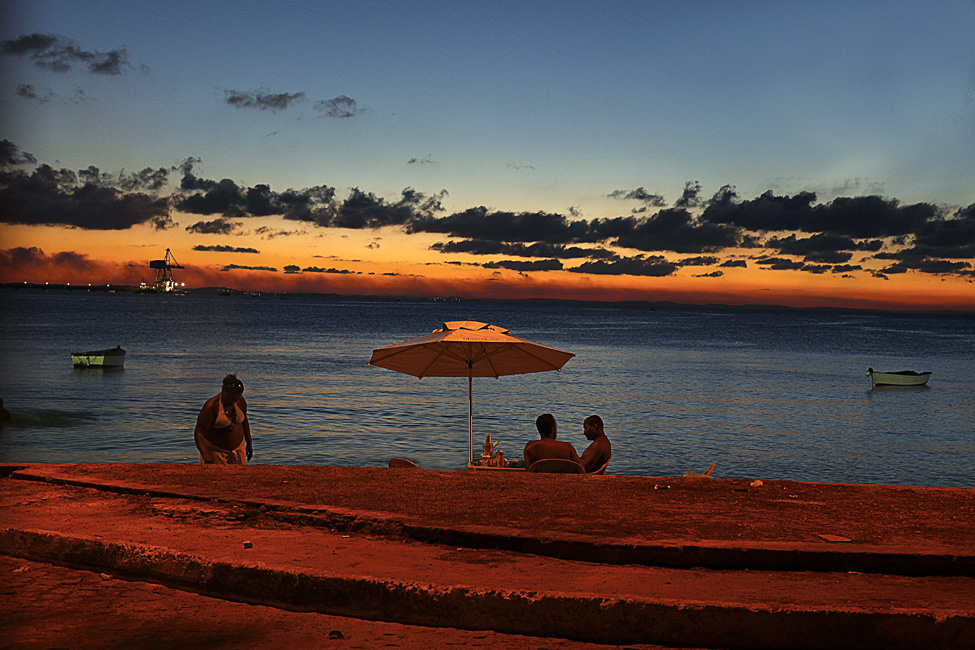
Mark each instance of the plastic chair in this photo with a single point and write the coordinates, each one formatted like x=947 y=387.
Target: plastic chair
x=601 y=470
x=402 y=463
x=556 y=466
x=705 y=474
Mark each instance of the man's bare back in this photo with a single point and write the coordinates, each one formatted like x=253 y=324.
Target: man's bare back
x=548 y=446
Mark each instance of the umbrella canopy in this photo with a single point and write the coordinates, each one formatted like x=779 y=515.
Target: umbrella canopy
x=469 y=349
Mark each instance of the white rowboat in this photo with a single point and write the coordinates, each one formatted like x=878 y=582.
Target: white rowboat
x=899 y=378
x=110 y=358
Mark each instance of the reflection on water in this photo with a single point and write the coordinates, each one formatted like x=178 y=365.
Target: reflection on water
x=762 y=394
x=49 y=419
x=896 y=389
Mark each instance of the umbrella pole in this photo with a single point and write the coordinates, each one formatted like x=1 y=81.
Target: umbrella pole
x=470 y=408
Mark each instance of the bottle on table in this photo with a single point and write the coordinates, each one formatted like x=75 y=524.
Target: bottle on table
x=487 y=451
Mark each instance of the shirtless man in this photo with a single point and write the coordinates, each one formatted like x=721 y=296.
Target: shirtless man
x=548 y=446
x=223 y=434
x=599 y=451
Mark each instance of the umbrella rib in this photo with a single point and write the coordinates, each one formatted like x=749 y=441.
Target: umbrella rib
x=439 y=353
x=525 y=350
x=486 y=354
x=442 y=351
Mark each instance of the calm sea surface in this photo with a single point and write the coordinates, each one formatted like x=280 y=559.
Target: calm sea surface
x=764 y=394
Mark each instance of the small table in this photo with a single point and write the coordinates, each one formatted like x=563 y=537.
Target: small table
x=471 y=465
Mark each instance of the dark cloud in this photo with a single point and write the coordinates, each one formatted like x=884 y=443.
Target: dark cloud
x=712 y=274
x=674 y=229
x=21 y=257
x=922 y=237
x=238 y=267
x=313 y=204
x=262 y=99
x=270 y=233
x=515 y=265
x=933 y=267
x=11 y=155
x=871 y=216
x=732 y=264
x=366 y=210
x=189 y=181
x=779 y=264
x=27 y=91
x=148 y=179
x=654 y=265
x=476 y=247
x=829 y=257
x=426 y=160
x=315 y=269
x=821 y=243
x=765 y=213
x=340 y=107
x=59 y=53
x=538 y=249
x=858 y=217
x=224 y=249
x=816 y=269
x=690 y=197
x=952 y=237
x=84 y=199
x=291 y=268
x=639 y=194
x=705 y=260
x=223 y=198
x=219 y=226
x=204 y=196
x=481 y=224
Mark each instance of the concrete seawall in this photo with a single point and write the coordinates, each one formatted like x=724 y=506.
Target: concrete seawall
x=611 y=560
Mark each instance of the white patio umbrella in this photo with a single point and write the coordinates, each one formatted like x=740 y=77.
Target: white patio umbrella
x=469 y=349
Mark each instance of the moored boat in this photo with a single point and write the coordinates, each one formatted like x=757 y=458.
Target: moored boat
x=110 y=358
x=899 y=378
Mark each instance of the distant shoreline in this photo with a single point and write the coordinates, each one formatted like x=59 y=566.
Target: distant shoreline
x=637 y=304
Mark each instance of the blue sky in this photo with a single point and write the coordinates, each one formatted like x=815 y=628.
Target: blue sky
x=566 y=108
x=519 y=105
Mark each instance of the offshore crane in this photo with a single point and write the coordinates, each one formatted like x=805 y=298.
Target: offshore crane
x=164 y=274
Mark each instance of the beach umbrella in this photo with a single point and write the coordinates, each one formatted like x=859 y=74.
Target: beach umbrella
x=469 y=349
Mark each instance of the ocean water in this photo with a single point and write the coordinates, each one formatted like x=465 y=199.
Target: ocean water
x=763 y=394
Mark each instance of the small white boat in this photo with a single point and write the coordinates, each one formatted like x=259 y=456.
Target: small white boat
x=110 y=358
x=899 y=378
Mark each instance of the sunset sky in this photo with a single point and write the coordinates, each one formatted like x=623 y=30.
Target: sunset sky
x=808 y=154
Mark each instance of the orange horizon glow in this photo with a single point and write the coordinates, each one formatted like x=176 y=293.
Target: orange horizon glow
x=780 y=288
x=389 y=263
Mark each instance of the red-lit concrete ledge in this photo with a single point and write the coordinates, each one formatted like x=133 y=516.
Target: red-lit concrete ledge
x=344 y=541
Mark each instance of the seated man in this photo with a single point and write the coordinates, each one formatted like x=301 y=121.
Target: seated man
x=548 y=446
x=599 y=451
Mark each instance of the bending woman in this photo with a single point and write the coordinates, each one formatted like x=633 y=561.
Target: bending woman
x=223 y=434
